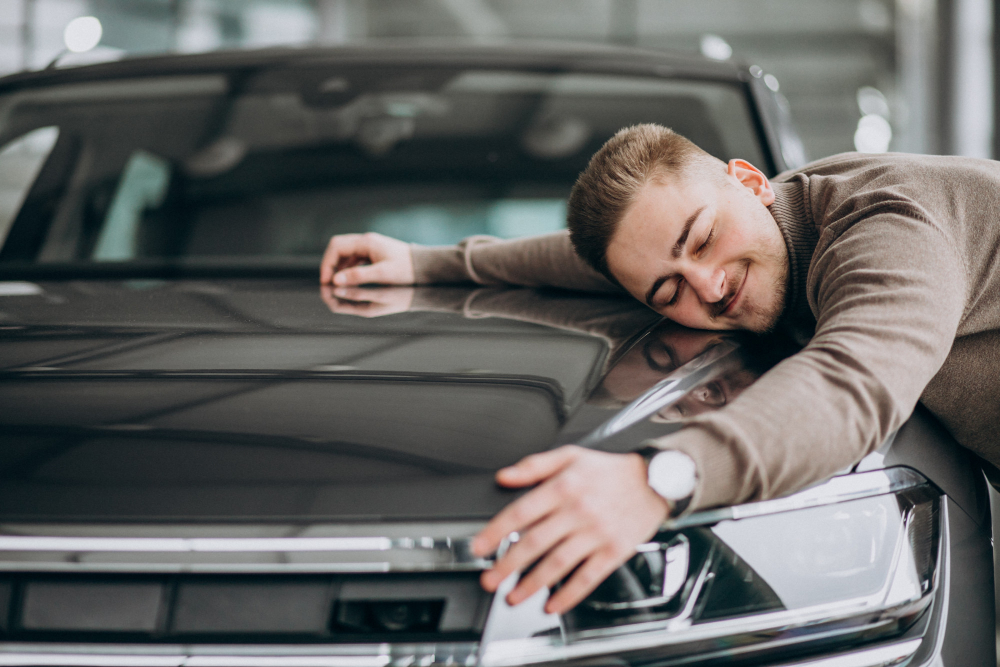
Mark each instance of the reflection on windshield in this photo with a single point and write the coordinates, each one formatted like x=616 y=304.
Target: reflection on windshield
x=292 y=155
x=20 y=162
x=143 y=186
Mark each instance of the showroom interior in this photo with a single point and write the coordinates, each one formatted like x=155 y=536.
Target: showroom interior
x=872 y=75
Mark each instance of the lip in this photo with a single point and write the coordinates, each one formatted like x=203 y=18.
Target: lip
x=730 y=307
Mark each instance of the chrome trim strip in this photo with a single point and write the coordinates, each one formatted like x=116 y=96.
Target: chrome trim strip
x=180 y=544
x=15 y=654
x=128 y=656
x=880 y=656
x=41 y=547
x=511 y=653
x=110 y=660
x=835 y=490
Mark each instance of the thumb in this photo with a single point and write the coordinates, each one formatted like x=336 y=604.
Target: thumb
x=537 y=467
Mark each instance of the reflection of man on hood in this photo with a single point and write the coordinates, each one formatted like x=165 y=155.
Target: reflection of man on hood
x=633 y=366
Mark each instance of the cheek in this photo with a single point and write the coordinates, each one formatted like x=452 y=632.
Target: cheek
x=689 y=312
x=736 y=243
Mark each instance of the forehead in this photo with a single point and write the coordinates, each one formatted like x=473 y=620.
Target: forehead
x=652 y=223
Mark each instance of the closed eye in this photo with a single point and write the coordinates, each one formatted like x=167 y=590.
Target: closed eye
x=708 y=241
x=677 y=292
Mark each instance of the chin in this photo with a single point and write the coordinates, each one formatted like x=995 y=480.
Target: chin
x=762 y=320
x=761 y=327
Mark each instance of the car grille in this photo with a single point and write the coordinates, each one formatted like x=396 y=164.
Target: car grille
x=393 y=607
x=157 y=588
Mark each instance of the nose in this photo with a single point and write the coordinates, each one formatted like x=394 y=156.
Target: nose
x=708 y=282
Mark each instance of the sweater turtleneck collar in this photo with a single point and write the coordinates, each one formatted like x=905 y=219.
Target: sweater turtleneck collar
x=794 y=219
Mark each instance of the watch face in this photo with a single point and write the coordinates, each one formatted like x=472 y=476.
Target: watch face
x=672 y=475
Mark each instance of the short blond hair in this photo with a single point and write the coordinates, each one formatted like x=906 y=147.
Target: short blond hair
x=614 y=176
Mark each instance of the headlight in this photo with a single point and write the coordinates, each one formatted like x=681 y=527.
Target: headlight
x=853 y=560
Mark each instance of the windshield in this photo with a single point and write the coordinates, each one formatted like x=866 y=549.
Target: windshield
x=265 y=167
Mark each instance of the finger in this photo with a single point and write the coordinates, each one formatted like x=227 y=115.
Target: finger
x=341 y=246
x=361 y=309
x=538 y=540
x=360 y=275
x=583 y=582
x=517 y=516
x=557 y=564
x=537 y=467
x=326 y=293
x=331 y=258
x=350 y=301
x=350 y=262
x=359 y=294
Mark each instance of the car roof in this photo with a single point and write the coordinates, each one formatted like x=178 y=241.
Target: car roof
x=522 y=54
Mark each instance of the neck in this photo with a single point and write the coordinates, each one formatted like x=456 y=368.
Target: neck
x=793 y=218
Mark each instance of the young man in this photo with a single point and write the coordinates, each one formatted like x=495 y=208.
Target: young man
x=887 y=264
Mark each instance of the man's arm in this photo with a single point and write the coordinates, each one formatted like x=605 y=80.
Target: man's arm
x=547 y=260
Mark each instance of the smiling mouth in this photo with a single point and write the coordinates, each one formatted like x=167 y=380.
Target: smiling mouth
x=728 y=310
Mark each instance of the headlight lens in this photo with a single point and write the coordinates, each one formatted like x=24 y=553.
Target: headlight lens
x=854 y=558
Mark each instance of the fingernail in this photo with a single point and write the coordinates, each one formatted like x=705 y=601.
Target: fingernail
x=478 y=547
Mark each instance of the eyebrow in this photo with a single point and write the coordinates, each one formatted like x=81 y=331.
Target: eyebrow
x=682 y=239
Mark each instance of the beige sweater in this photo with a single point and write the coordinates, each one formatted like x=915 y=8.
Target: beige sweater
x=895 y=259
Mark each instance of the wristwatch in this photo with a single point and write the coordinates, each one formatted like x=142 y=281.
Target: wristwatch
x=673 y=475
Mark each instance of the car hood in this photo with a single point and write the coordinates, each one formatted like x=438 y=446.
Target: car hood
x=260 y=399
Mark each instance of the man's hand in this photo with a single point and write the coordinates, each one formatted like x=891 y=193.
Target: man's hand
x=591 y=510
x=357 y=259
x=367 y=302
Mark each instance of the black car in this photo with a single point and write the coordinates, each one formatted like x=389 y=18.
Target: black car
x=208 y=460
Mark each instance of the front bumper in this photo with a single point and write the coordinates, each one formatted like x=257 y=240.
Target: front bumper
x=874 y=590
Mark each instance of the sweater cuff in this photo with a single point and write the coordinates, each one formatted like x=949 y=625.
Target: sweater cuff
x=720 y=477
x=438 y=264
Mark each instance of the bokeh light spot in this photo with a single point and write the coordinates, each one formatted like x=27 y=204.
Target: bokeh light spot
x=82 y=34
x=873 y=134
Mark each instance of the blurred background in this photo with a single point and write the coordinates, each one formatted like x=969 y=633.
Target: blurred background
x=872 y=75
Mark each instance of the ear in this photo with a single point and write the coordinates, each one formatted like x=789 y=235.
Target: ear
x=753 y=179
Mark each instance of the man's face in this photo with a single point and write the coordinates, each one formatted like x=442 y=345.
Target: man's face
x=705 y=254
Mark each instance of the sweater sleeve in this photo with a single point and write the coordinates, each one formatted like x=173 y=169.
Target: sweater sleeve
x=547 y=260
x=889 y=293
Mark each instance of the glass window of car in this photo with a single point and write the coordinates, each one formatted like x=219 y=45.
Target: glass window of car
x=271 y=168
x=20 y=161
